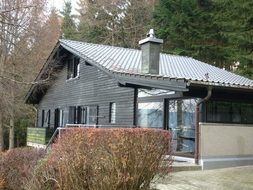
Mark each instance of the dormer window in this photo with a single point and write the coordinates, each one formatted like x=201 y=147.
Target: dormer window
x=73 y=67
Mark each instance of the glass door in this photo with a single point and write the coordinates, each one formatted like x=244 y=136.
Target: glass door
x=181 y=123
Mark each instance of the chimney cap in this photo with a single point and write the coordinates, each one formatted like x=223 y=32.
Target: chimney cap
x=151 y=38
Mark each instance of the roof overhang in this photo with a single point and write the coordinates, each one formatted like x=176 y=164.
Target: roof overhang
x=220 y=85
x=125 y=79
x=40 y=85
x=37 y=89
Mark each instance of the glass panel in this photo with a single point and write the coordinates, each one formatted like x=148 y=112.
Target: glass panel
x=153 y=92
x=61 y=118
x=113 y=112
x=247 y=113
x=42 y=118
x=150 y=114
x=76 y=67
x=72 y=115
x=81 y=114
x=48 y=116
x=210 y=109
x=182 y=124
x=229 y=112
x=223 y=112
x=92 y=115
x=236 y=113
x=70 y=68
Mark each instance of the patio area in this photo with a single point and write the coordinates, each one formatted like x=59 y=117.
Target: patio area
x=221 y=179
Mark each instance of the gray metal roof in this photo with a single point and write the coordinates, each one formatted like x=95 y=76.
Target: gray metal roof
x=125 y=60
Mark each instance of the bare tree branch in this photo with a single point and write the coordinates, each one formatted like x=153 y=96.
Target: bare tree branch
x=44 y=81
x=16 y=8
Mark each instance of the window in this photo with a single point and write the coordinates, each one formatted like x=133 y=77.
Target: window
x=72 y=115
x=58 y=118
x=61 y=118
x=83 y=114
x=46 y=120
x=150 y=114
x=42 y=118
x=92 y=115
x=73 y=67
x=112 y=116
x=182 y=113
x=229 y=112
x=247 y=113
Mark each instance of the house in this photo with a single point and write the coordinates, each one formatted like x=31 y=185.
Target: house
x=208 y=110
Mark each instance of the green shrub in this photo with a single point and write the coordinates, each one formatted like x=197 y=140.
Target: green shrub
x=107 y=159
x=20 y=131
x=16 y=166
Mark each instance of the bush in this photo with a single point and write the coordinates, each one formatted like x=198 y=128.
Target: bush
x=20 y=131
x=108 y=159
x=16 y=166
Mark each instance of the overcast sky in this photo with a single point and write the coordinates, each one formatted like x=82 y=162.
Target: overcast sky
x=59 y=4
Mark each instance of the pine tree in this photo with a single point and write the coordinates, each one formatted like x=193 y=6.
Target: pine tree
x=68 y=24
x=188 y=29
x=235 y=18
x=114 y=22
x=219 y=32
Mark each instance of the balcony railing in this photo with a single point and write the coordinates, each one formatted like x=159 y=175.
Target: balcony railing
x=44 y=137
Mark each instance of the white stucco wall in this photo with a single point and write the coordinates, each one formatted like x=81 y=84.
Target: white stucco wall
x=224 y=145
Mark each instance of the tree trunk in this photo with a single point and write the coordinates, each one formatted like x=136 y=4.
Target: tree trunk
x=1 y=105
x=1 y=133
x=11 y=133
x=12 y=109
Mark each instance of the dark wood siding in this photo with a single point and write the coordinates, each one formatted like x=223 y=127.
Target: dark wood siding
x=93 y=87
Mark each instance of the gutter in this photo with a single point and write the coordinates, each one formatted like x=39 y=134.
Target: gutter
x=197 y=131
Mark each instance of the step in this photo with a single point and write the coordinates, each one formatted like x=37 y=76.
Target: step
x=185 y=166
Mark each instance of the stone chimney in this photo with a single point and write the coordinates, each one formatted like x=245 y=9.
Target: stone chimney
x=150 y=49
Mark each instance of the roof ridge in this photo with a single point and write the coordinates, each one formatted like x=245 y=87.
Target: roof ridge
x=119 y=47
x=111 y=46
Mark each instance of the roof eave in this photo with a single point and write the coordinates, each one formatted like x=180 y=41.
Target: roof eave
x=176 y=84
x=42 y=70
x=219 y=85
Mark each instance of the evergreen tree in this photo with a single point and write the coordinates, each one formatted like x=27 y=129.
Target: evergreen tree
x=114 y=22
x=219 y=32
x=188 y=29
x=68 y=24
x=235 y=18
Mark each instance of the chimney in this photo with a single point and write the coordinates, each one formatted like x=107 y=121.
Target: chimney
x=150 y=49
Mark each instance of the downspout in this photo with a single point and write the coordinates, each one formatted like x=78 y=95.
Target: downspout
x=197 y=131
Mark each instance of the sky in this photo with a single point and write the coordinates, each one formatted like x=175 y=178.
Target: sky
x=59 y=4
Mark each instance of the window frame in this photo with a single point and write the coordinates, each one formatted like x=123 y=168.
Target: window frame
x=85 y=111
x=47 y=119
x=59 y=117
x=112 y=115
x=73 y=67
x=42 y=117
x=81 y=115
x=211 y=107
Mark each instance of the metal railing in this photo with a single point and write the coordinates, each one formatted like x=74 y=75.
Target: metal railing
x=71 y=126
x=100 y=126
